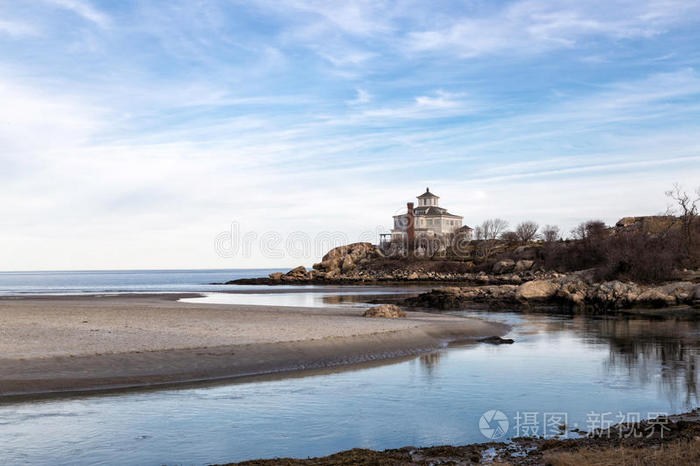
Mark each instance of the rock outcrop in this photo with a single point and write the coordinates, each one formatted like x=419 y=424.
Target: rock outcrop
x=345 y=259
x=386 y=311
x=568 y=291
x=455 y=297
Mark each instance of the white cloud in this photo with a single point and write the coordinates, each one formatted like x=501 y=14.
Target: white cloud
x=534 y=26
x=16 y=28
x=85 y=10
x=441 y=99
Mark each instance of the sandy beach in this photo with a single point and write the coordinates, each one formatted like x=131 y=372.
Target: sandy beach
x=81 y=343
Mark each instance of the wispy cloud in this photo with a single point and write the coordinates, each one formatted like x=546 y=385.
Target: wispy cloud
x=84 y=9
x=536 y=26
x=149 y=129
x=16 y=28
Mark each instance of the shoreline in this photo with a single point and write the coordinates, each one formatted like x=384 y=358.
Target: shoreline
x=150 y=341
x=672 y=439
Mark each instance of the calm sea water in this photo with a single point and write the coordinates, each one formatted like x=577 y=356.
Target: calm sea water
x=580 y=367
x=122 y=281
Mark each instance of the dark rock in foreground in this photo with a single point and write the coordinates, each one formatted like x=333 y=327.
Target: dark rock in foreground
x=497 y=341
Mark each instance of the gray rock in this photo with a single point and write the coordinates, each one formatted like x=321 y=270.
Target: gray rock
x=523 y=265
x=536 y=290
x=504 y=266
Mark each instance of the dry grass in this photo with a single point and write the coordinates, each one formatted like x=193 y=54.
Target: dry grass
x=675 y=453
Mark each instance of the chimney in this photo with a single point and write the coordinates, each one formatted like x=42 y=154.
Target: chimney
x=410 y=227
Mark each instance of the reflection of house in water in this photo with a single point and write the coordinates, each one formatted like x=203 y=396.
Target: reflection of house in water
x=424 y=224
x=430 y=361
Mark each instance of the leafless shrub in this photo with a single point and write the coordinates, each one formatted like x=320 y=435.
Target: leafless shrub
x=688 y=211
x=526 y=232
x=641 y=257
x=487 y=234
x=551 y=233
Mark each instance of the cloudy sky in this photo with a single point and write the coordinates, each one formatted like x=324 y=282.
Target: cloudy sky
x=133 y=133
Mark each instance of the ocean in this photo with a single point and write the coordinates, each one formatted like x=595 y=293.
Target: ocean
x=122 y=281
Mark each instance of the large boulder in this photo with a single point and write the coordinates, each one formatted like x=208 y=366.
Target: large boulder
x=523 y=265
x=344 y=259
x=386 y=311
x=536 y=290
x=613 y=295
x=572 y=290
x=298 y=273
x=504 y=266
x=276 y=276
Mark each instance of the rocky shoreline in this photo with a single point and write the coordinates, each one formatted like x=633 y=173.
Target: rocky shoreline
x=661 y=441
x=571 y=292
x=511 y=283
x=365 y=264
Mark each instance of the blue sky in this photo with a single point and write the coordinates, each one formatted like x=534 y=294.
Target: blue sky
x=133 y=132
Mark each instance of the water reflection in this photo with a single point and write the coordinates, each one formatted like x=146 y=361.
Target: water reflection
x=646 y=351
x=662 y=350
x=429 y=362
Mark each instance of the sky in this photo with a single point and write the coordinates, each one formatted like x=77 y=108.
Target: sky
x=237 y=134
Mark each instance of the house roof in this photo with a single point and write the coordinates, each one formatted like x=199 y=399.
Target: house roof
x=427 y=195
x=433 y=211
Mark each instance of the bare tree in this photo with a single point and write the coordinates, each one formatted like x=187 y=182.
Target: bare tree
x=488 y=233
x=551 y=233
x=688 y=213
x=592 y=229
x=492 y=228
x=526 y=231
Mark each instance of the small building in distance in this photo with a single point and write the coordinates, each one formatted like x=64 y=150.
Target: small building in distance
x=427 y=221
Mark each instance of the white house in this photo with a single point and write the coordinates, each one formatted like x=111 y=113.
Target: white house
x=427 y=220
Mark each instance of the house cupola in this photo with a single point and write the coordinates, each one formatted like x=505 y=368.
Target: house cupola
x=428 y=198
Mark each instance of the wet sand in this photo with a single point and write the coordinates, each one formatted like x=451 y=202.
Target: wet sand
x=86 y=343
